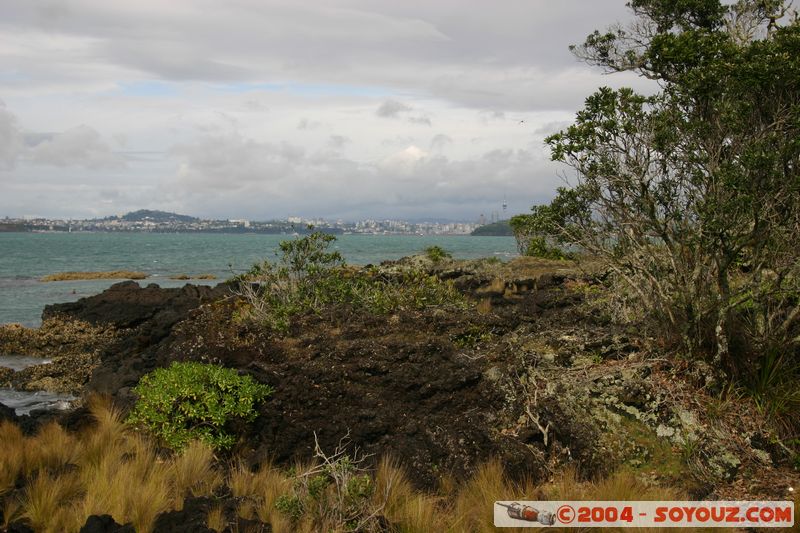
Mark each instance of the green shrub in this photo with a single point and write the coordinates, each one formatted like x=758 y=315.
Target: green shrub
x=190 y=401
x=437 y=253
x=307 y=278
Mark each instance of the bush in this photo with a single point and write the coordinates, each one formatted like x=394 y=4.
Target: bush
x=437 y=253
x=190 y=401
x=307 y=278
x=336 y=493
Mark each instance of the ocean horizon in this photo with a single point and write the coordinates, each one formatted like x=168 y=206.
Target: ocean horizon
x=26 y=257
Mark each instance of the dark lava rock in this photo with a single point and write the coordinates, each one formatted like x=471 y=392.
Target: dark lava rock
x=190 y=519
x=19 y=527
x=251 y=526
x=393 y=387
x=7 y=413
x=142 y=318
x=127 y=305
x=105 y=524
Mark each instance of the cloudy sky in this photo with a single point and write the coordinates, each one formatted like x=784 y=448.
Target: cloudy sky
x=421 y=109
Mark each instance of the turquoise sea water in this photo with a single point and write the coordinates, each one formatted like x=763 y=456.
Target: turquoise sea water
x=26 y=257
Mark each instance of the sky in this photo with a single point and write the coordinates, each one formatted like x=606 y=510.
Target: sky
x=262 y=109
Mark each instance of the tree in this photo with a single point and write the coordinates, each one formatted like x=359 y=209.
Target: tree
x=691 y=195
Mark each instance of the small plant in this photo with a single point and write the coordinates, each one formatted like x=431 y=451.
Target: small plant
x=336 y=494
x=189 y=401
x=472 y=337
x=437 y=253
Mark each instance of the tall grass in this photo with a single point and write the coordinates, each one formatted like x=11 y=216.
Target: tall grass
x=12 y=460
x=193 y=473
x=106 y=470
x=55 y=480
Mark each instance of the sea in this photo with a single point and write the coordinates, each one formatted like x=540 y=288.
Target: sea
x=26 y=257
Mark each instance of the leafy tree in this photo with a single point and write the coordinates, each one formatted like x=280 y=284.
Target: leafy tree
x=692 y=194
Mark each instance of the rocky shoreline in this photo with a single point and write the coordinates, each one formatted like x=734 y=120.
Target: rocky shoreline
x=534 y=374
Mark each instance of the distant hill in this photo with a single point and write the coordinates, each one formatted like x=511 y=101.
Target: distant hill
x=156 y=216
x=496 y=229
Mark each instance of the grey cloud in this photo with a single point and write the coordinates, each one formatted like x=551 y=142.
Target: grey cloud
x=231 y=162
x=338 y=141
x=11 y=139
x=392 y=108
x=422 y=119
x=80 y=146
x=261 y=179
x=255 y=105
x=306 y=124
x=482 y=60
x=440 y=141
x=33 y=138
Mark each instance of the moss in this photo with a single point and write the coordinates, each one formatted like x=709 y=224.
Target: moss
x=654 y=456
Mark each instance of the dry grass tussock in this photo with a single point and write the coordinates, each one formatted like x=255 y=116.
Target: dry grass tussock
x=464 y=507
x=55 y=480
x=65 y=478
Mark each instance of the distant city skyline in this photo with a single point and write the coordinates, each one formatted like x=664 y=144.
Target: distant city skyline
x=345 y=109
x=481 y=218
x=157 y=221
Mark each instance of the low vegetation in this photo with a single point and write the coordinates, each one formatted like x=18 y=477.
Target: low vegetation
x=437 y=253
x=80 y=276
x=55 y=480
x=309 y=278
x=195 y=401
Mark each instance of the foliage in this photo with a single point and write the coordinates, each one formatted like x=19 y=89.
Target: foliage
x=501 y=228
x=472 y=337
x=437 y=253
x=307 y=278
x=335 y=493
x=692 y=195
x=195 y=401
x=537 y=234
x=774 y=388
